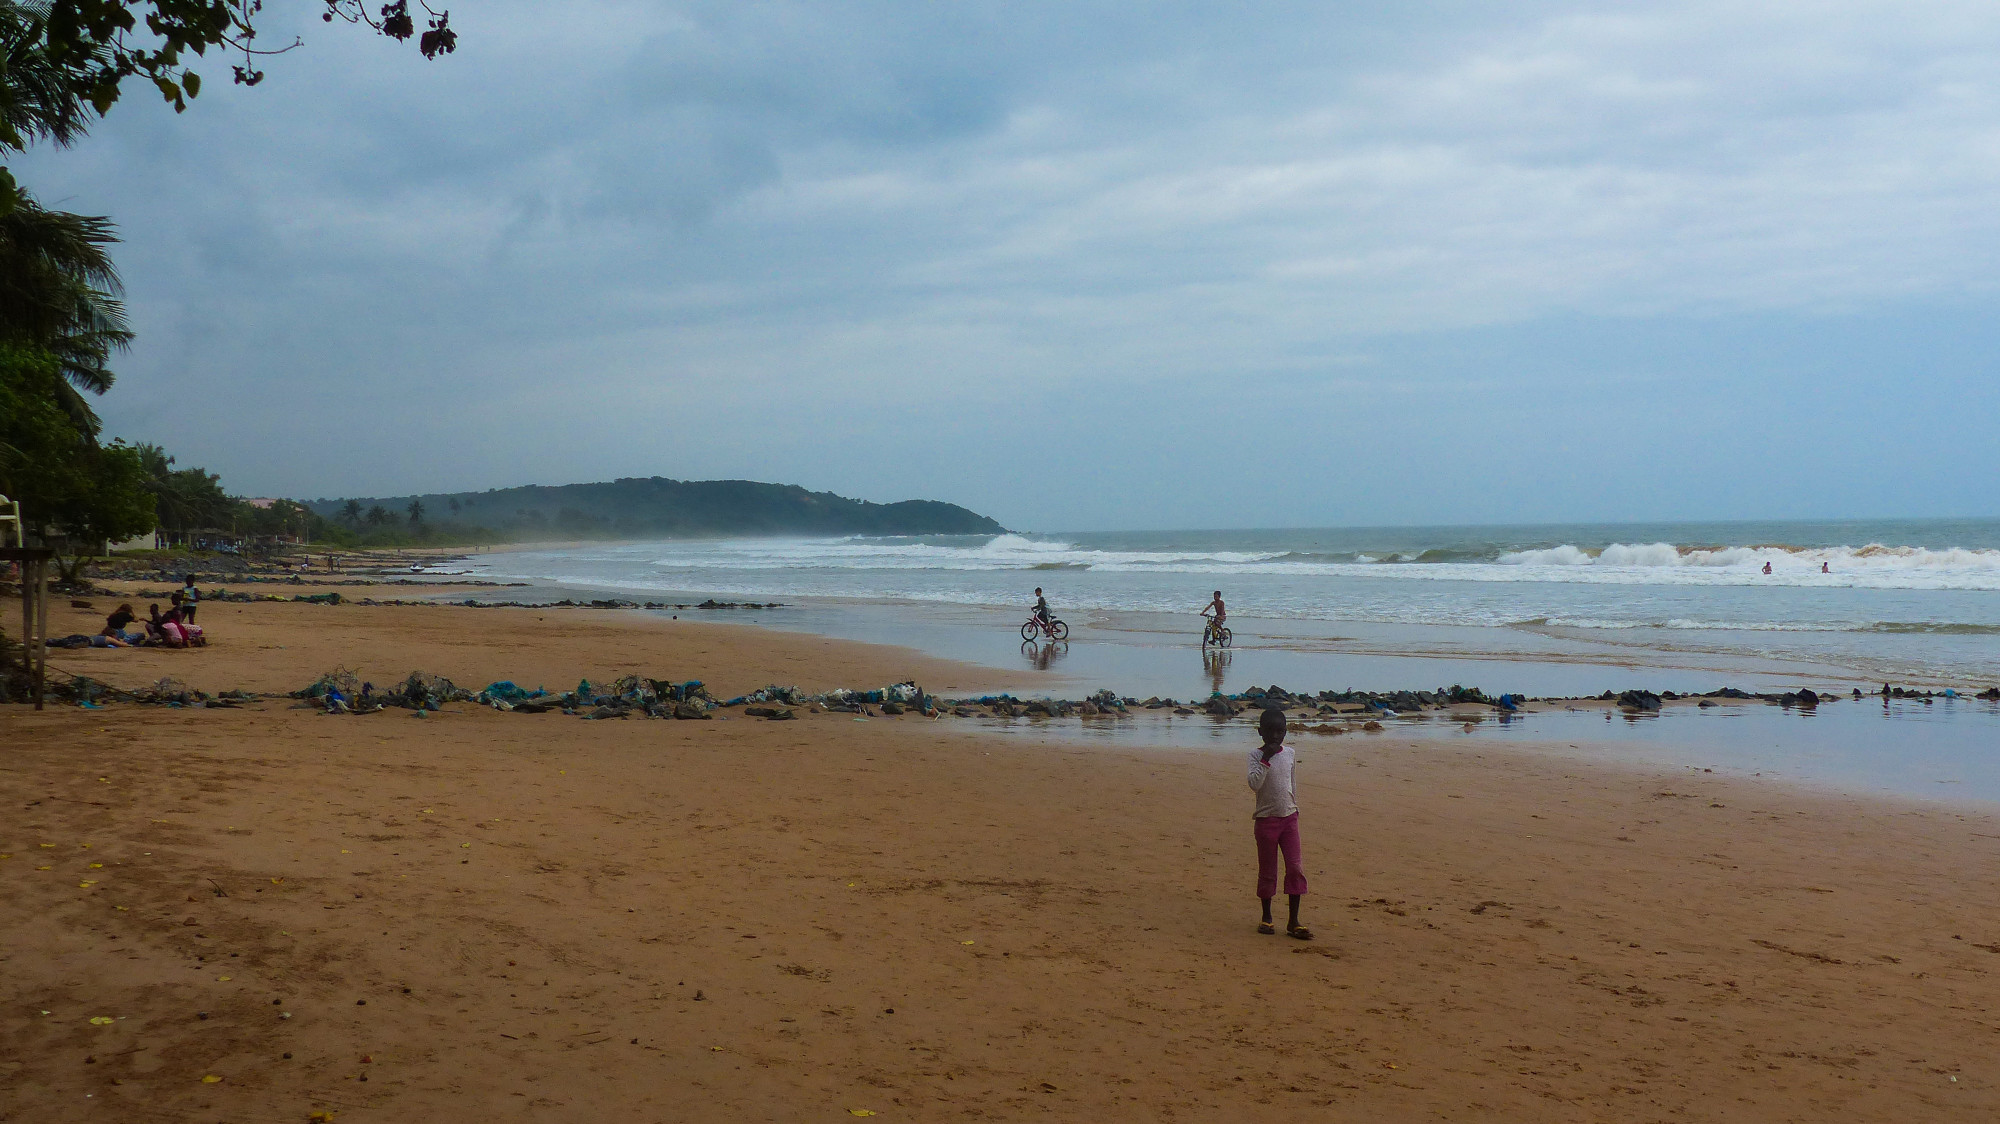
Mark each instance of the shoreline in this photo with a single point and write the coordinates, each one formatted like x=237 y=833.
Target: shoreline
x=1675 y=626
x=1675 y=663
x=1831 y=746
x=920 y=925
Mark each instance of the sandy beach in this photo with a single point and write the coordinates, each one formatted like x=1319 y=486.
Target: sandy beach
x=268 y=913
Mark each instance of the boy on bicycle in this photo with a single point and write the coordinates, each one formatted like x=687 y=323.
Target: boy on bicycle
x=1217 y=611
x=1041 y=607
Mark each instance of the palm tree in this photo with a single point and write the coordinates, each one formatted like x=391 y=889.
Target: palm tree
x=416 y=510
x=59 y=292
x=58 y=289
x=350 y=513
x=39 y=100
x=378 y=515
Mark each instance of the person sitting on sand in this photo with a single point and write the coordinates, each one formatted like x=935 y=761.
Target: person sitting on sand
x=1277 y=822
x=175 y=629
x=114 y=634
x=173 y=634
x=190 y=598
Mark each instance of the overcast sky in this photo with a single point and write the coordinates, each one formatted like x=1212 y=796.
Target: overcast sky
x=1088 y=265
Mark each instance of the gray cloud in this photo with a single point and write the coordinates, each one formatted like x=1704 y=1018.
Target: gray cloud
x=872 y=247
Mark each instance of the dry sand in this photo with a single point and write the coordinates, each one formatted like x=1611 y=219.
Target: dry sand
x=480 y=916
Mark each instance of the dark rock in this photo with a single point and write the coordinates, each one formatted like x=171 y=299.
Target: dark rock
x=892 y=708
x=1639 y=700
x=690 y=710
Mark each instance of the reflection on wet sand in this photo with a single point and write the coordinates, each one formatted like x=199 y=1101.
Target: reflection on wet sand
x=1943 y=748
x=1215 y=662
x=1042 y=656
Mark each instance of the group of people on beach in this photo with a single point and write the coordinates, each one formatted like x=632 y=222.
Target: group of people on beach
x=1275 y=818
x=174 y=628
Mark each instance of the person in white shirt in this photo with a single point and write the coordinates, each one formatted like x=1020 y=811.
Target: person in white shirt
x=1277 y=820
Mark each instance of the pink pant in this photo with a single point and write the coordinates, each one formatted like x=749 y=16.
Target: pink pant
x=1274 y=834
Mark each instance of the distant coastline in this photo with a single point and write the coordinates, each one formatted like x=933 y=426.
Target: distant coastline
x=641 y=508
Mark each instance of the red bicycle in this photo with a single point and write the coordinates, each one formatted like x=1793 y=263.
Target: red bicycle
x=1036 y=628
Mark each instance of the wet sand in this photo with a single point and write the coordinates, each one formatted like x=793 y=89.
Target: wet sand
x=479 y=915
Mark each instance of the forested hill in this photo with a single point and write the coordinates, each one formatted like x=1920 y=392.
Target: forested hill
x=658 y=507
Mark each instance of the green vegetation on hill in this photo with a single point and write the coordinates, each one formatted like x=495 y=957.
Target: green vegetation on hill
x=650 y=507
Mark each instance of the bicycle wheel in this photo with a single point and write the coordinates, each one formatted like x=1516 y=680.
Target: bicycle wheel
x=1028 y=631
x=1059 y=630
x=1225 y=638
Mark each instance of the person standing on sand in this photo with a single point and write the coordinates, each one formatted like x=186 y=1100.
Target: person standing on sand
x=1277 y=822
x=190 y=598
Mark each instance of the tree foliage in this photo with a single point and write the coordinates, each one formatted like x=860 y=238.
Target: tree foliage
x=93 y=47
x=186 y=499
x=40 y=98
x=71 y=490
x=59 y=294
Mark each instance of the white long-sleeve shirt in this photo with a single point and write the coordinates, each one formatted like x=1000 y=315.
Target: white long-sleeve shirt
x=1272 y=782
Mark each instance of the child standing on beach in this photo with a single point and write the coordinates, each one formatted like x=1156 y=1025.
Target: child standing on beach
x=1277 y=820
x=190 y=598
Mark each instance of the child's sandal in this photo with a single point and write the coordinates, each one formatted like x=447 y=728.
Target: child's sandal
x=1266 y=928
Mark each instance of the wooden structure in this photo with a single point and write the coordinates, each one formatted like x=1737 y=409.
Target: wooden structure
x=34 y=563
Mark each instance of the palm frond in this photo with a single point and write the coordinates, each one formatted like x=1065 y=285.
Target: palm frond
x=39 y=100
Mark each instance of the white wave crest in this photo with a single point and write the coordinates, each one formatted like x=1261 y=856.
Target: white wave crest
x=1661 y=555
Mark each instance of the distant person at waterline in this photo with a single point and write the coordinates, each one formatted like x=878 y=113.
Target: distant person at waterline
x=1767 y=567
x=1277 y=822
x=1823 y=569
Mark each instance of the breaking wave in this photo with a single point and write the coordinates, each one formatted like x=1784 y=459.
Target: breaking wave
x=1874 y=565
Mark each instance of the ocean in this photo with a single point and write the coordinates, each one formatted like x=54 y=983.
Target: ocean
x=1552 y=610
x=1915 y=601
